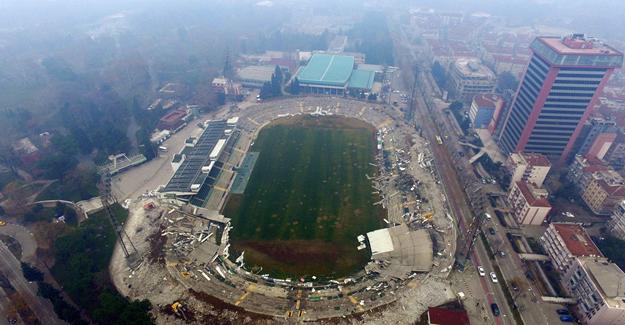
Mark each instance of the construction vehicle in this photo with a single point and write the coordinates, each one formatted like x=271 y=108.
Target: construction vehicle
x=179 y=309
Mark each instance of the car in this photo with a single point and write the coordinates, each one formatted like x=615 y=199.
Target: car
x=495 y=309
x=567 y=318
x=488 y=216
x=563 y=311
x=493 y=277
x=481 y=271
x=491 y=231
x=502 y=253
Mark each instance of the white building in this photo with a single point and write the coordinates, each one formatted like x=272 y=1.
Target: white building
x=469 y=78
x=529 y=167
x=528 y=204
x=564 y=242
x=599 y=287
x=616 y=226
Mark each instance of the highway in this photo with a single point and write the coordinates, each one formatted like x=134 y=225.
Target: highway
x=446 y=168
x=12 y=270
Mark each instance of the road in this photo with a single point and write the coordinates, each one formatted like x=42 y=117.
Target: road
x=11 y=269
x=451 y=184
x=433 y=121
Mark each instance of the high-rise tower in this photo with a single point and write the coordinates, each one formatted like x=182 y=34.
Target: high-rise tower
x=560 y=86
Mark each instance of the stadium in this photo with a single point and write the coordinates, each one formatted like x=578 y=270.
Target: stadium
x=289 y=210
x=333 y=74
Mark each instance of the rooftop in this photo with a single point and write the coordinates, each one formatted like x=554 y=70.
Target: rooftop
x=473 y=68
x=256 y=72
x=576 y=239
x=530 y=195
x=608 y=278
x=408 y=251
x=361 y=79
x=576 y=51
x=577 y=44
x=443 y=316
x=536 y=159
x=488 y=100
x=190 y=171
x=328 y=69
x=174 y=115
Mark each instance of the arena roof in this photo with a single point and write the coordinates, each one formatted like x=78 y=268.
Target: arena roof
x=190 y=171
x=327 y=69
x=361 y=79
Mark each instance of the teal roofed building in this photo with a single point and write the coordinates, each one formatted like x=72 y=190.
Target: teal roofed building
x=361 y=80
x=333 y=74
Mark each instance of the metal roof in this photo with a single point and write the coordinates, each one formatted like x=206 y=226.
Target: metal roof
x=327 y=69
x=361 y=79
x=190 y=171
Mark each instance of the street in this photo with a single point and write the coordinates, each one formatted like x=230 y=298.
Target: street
x=11 y=269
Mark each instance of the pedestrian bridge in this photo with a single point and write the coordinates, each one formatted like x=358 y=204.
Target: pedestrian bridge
x=559 y=300
x=534 y=257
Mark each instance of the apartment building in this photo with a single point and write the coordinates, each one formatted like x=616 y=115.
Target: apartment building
x=529 y=167
x=528 y=203
x=564 y=242
x=616 y=225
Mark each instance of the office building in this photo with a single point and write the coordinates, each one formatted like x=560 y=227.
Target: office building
x=470 y=78
x=560 y=86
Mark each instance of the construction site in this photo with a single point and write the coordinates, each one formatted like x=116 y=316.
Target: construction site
x=181 y=257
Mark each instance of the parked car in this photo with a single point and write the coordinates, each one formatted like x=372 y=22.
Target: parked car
x=481 y=271
x=491 y=230
x=567 y=318
x=496 y=311
x=493 y=277
x=563 y=311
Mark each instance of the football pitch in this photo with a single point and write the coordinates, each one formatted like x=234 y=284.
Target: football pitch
x=308 y=198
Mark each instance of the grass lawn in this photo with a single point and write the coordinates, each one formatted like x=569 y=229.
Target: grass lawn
x=82 y=256
x=307 y=198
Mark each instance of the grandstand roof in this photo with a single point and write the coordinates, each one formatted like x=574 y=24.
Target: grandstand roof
x=361 y=79
x=190 y=171
x=327 y=69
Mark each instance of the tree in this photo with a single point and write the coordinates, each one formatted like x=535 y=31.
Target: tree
x=31 y=273
x=507 y=81
x=276 y=82
x=294 y=87
x=279 y=75
x=266 y=90
x=439 y=75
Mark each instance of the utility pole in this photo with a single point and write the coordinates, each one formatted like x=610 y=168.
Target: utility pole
x=108 y=199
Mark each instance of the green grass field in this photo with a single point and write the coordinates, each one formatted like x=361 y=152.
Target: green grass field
x=307 y=198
